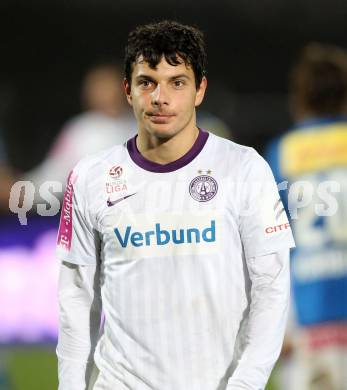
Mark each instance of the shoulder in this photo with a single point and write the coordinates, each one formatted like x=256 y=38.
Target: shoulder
x=239 y=154
x=90 y=167
x=92 y=124
x=88 y=118
x=243 y=163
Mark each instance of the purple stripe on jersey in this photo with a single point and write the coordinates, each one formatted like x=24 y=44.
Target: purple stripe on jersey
x=151 y=166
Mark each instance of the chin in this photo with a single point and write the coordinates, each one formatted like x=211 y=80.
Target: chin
x=163 y=132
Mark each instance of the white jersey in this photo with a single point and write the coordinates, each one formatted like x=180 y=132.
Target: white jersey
x=173 y=242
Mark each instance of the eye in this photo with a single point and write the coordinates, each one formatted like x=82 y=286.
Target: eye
x=145 y=84
x=178 y=83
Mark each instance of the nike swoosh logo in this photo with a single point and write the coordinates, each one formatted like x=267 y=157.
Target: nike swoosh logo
x=112 y=203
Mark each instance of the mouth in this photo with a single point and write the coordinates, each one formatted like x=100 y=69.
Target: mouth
x=160 y=117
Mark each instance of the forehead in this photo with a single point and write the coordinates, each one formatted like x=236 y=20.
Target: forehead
x=163 y=69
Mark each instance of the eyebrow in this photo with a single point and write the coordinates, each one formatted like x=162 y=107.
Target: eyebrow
x=179 y=76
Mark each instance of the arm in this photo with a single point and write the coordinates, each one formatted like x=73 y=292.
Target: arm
x=261 y=337
x=80 y=317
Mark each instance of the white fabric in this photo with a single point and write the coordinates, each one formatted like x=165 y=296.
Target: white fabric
x=270 y=281
x=85 y=134
x=200 y=314
x=261 y=338
x=79 y=324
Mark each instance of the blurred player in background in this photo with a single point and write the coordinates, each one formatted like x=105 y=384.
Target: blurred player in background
x=315 y=151
x=105 y=121
x=179 y=235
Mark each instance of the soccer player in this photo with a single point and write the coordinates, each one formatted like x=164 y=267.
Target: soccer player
x=314 y=153
x=105 y=119
x=178 y=236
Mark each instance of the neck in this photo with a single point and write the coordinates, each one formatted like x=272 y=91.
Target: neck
x=166 y=150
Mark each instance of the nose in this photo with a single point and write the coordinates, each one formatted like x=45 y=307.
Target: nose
x=159 y=96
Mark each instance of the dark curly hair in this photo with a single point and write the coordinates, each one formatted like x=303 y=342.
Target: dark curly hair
x=318 y=82
x=170 y=39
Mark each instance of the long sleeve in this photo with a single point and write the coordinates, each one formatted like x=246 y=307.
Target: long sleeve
x=79 y=325
x=261 y=335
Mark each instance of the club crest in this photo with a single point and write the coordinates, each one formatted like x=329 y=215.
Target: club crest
x=203 y=188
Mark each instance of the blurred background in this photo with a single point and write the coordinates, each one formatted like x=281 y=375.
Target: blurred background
x=58 y=59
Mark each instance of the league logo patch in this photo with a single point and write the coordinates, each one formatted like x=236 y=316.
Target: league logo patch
x=118 y=184
x=116 y=172
x=203 y=188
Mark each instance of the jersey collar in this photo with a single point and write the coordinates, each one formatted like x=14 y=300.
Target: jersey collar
x=151 y=166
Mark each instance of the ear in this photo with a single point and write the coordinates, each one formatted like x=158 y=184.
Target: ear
x=127 y=90
x=200 y=93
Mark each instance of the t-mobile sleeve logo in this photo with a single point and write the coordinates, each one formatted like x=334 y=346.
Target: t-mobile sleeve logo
x=65 y=228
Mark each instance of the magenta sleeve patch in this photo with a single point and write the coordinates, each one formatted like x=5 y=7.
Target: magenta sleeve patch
x=65 y=227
